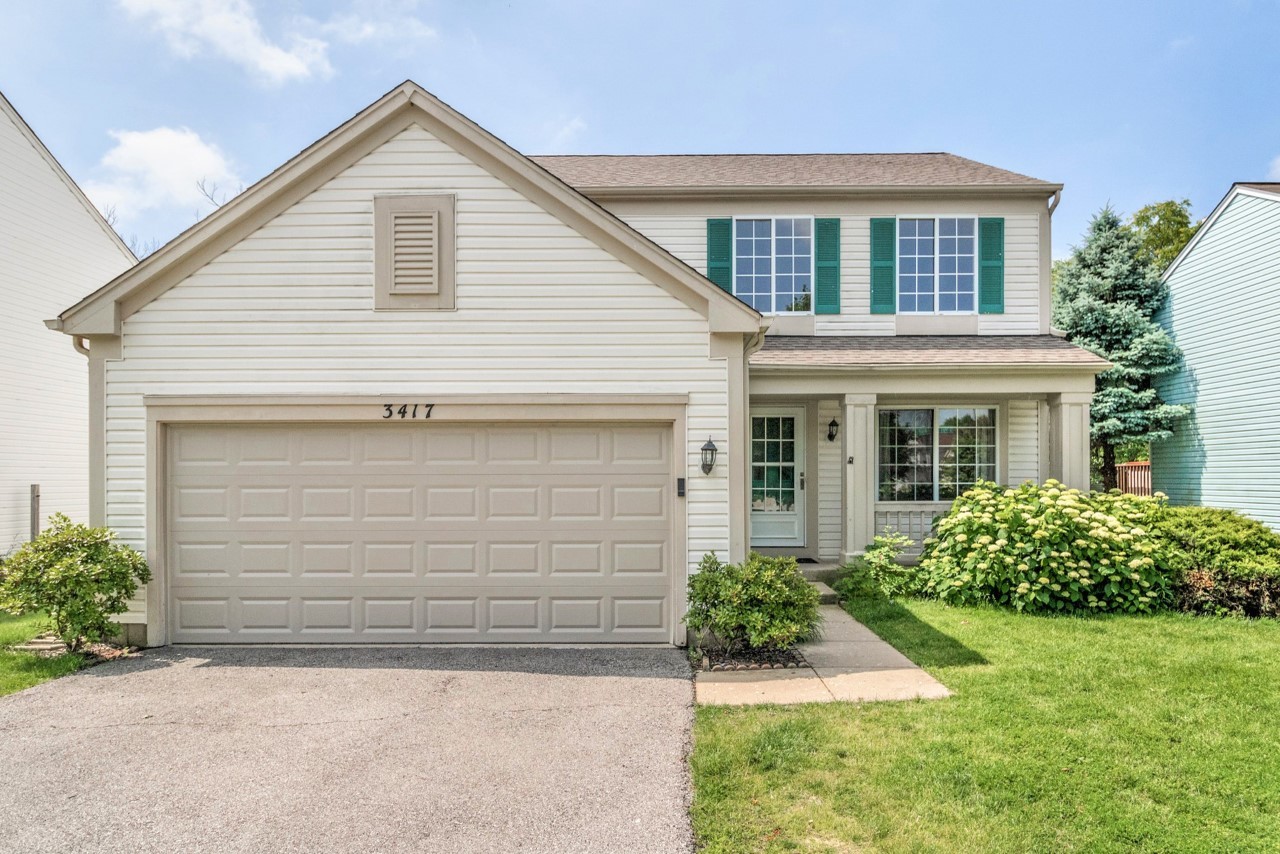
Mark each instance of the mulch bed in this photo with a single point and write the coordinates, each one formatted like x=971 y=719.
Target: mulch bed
x=718 y=659
x=51 y=646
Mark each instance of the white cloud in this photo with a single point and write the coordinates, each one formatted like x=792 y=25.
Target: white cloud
x=1180 y=44
x=386 y=26
x=559 y=137
x=161 y=169
x=1273 y=174
x=230 y=29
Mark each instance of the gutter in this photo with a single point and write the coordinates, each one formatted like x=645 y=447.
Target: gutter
x=917 y=368
x=792 y=191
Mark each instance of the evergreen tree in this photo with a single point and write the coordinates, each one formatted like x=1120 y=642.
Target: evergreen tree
x=1105 y=297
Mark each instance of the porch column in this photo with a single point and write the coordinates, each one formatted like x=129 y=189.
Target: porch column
x=1069 y=438
x=860 y=472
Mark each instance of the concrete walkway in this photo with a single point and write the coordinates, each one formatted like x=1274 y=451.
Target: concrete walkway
x=849 y=663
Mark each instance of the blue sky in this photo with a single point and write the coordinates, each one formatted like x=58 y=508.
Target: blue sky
x=1124 y=103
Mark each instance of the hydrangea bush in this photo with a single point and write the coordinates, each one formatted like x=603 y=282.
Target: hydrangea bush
x=1048 y=549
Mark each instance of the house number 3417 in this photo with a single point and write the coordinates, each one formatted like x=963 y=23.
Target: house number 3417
x=407 y=410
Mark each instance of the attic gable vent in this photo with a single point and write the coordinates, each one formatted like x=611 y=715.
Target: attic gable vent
x=413 y=252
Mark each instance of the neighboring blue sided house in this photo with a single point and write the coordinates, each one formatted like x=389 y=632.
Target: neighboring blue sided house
x=1224 y=312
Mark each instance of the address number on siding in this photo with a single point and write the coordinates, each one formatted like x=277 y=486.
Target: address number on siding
x=407 y=411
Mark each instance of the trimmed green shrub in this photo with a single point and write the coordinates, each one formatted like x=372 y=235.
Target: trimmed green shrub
x=877 y=572
x=77 y=575
x=761 y=603
x=1227 y=564
x=1048 y=549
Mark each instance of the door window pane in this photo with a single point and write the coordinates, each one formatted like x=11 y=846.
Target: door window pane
x=773 y=457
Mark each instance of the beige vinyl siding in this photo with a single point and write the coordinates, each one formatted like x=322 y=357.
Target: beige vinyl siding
x=539 y=309
x=680 y=227
x=1024 y=442
x=830 y=483
x=53 y=251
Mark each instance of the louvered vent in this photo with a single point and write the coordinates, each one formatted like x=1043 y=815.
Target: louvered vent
x=414 y=255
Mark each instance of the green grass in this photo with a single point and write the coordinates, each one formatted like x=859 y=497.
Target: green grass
x=1065 y=734
x=19 y=670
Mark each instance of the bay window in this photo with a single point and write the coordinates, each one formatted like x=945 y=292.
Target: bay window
x=934 y=454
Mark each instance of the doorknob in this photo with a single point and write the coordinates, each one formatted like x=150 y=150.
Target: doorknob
x=801 y=481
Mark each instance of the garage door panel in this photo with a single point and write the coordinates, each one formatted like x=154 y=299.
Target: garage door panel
x=398 y=616
x=412 y=533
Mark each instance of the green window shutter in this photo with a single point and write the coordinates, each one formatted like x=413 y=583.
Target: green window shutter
x=826 y=266
x=720 y=253
x=991 y=265
x=884 y=263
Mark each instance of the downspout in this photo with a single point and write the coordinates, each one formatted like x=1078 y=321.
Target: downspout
x=1053 y=202
x=81 y=344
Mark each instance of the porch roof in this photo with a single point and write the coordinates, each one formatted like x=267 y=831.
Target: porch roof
x=924 y=351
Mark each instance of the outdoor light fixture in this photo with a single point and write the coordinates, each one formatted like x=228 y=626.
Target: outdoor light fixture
x=708 y=456
x=833 y=430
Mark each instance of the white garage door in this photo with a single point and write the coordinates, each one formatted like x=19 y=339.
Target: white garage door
x=388 y=533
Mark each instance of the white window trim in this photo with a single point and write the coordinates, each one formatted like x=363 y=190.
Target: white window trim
x=773 y=267
x=897 y=264
x=935 y=408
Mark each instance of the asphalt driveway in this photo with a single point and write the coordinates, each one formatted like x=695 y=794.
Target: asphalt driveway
x=397 y=749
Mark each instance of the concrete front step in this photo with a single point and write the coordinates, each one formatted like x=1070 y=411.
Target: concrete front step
x=826 y=595
x=824 y=572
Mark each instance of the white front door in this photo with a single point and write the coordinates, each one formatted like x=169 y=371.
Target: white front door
x=777 y=477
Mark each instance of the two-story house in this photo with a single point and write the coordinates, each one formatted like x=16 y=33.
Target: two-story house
x=54 y=248
x=415 y=386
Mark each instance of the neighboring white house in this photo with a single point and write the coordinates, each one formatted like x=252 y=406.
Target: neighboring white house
x=1230 y=372
x=55 y=248
x=415 y=386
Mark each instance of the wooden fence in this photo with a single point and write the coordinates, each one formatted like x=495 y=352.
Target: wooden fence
x=1134 y=478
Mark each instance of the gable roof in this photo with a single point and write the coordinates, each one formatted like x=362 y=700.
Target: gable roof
x=932 y=170
x=7 y=109
x=102 y=312
x=1269 y=190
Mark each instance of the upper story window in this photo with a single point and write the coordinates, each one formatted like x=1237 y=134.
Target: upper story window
x=937 y=262
x=773 y=263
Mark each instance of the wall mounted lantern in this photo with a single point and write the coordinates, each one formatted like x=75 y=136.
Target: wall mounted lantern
x=833 y=430
x=708 y=456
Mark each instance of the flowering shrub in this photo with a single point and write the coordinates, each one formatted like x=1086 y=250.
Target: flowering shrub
x=1049 y=548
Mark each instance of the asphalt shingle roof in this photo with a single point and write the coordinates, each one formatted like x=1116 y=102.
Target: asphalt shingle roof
x=935 y=169
x=922 y=351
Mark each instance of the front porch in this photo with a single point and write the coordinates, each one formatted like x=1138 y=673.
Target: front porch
x=842 y=449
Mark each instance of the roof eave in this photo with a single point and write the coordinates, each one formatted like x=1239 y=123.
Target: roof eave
x=774 y=191
x=950 y=367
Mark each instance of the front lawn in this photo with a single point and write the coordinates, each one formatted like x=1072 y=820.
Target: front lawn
x=1066 y=734
x=20 y=670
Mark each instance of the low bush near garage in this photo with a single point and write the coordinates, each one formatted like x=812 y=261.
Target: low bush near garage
x=79 y=576
x=1227 y=564
x=1049 y=549
x=761 y=603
